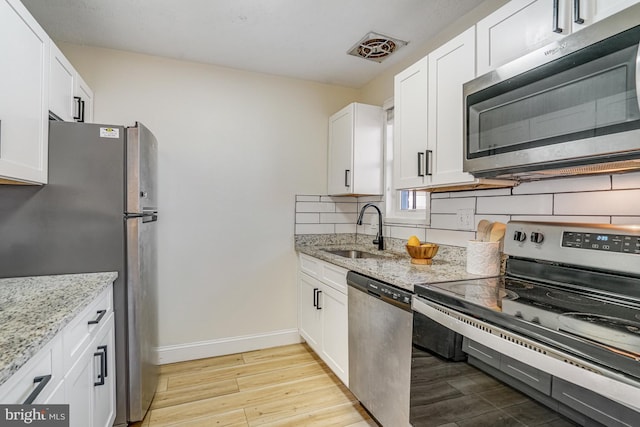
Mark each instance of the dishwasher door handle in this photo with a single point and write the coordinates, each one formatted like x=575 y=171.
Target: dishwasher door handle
x=375 y=294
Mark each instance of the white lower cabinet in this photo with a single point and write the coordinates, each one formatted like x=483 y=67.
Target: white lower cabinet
x=322 y=313
x=77 y=367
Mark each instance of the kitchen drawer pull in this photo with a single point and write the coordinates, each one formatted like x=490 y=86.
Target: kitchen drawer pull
x=97 y=320
x=103 y=367
x=78 y=101
x=420 y=163
x=315 y=297
x=43 y=381
x=428 y=161
x=347 y=178
x=576 y=12
x=318 y=301
x=556 y=17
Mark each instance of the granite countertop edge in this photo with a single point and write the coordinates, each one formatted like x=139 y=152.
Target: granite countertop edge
x=33 y=310
x=394 y=267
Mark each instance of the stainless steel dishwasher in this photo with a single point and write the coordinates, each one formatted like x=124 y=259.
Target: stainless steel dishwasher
x=380 y=334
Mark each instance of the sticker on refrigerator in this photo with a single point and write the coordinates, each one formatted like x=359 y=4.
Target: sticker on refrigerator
x=109 y=133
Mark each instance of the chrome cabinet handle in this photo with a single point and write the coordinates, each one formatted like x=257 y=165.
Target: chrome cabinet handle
x=576 y=12
x=97 y=320
x=428 y=161
x=556 y=17
x=420 y=163
x=43 y=381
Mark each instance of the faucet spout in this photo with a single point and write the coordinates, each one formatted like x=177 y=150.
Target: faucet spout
x=379 y=240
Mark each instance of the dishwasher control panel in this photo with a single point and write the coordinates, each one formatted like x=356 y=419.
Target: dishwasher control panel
x=378 y=289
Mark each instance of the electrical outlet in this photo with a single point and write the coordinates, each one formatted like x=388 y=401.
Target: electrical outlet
x=465 y=219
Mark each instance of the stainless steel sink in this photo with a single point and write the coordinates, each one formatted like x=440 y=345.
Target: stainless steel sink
x=354 y=254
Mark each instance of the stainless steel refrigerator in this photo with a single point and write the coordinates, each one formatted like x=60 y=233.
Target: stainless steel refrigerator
x=98 y=212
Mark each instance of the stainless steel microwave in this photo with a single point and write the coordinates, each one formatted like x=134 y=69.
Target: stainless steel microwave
x=572 y=107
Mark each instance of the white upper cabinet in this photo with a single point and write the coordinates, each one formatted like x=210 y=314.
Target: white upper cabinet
x=591 y=11
x=450 y=66
x=355 y=150
x=522 y=26
x=61 y=85
x=519 y=27
x=70 y=98
x=83 y=101
x=24 y=126
x=410 y=136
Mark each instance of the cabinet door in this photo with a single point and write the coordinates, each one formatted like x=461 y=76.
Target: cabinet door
x=78 y=384
x=517 y=28
x=104 y=385
x=61 y=85
x=340 y=162
x=592 y=11
x=84 y=106
x=308 y=314
x=410 y=126
x=24 y=48
x=335 y=332
x=450 y=66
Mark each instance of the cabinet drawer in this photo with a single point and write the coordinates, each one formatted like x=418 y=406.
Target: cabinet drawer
x=310 y=265
x=46 y=363
x=84 y=327
x=529 y=375
x=335 y=276
x=593 y=405
x=481 y=352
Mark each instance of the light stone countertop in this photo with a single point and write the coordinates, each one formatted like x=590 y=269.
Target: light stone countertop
x=34 y=309
x=395 y=268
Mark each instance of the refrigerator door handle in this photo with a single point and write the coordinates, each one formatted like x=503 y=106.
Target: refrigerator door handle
x=149 y=218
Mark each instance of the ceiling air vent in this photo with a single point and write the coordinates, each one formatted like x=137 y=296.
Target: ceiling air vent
x=376 y=47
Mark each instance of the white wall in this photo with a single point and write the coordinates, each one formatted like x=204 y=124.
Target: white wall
x=234 y=149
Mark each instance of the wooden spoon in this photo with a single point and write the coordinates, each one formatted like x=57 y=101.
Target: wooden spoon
x=497 y=232
x=484 y=227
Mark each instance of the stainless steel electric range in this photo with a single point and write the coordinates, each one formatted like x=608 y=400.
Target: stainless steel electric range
x=568 y=305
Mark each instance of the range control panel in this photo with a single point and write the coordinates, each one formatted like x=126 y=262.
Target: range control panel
x=601 y=246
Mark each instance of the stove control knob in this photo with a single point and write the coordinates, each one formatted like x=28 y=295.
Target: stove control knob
x=537 y=237
x=519 y=236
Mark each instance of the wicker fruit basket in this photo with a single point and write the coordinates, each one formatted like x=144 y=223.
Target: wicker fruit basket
x=422 y=254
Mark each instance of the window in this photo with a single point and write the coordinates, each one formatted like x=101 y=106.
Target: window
x=404 y=206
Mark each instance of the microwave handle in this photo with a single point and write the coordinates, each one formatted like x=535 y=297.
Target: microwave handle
x=556 y=17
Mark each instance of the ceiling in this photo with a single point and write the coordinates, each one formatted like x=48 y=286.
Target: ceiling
x=306 y=39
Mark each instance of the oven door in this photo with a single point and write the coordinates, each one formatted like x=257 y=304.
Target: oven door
x=579 y=109
x=616 y=388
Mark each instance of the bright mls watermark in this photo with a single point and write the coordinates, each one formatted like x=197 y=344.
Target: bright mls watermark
x=34 y=415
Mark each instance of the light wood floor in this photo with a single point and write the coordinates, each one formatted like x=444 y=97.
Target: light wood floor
x=282 y=386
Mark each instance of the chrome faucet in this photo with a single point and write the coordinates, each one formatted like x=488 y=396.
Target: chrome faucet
x=379 y=239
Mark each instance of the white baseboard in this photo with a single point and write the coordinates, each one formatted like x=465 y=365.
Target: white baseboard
x=220 y=347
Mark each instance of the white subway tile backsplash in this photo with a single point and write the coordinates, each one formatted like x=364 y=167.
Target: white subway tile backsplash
x=315 y=229
x=440 y=195
x=346 y=228
x=338 y=218
x=626 y=220
x=532 y=204
x=346 y=207
x=315 y=207
x=565 y=185
x=485 y=193
x=626 y=181
x=307 y=218
x=307 y=198
x=618 y=202
x=492 y=218
x=446 y=221
x=339 y=199
x=583 y=219
x=369 y=199
x=406 y=232
x=450 y=237
x=451 y=206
